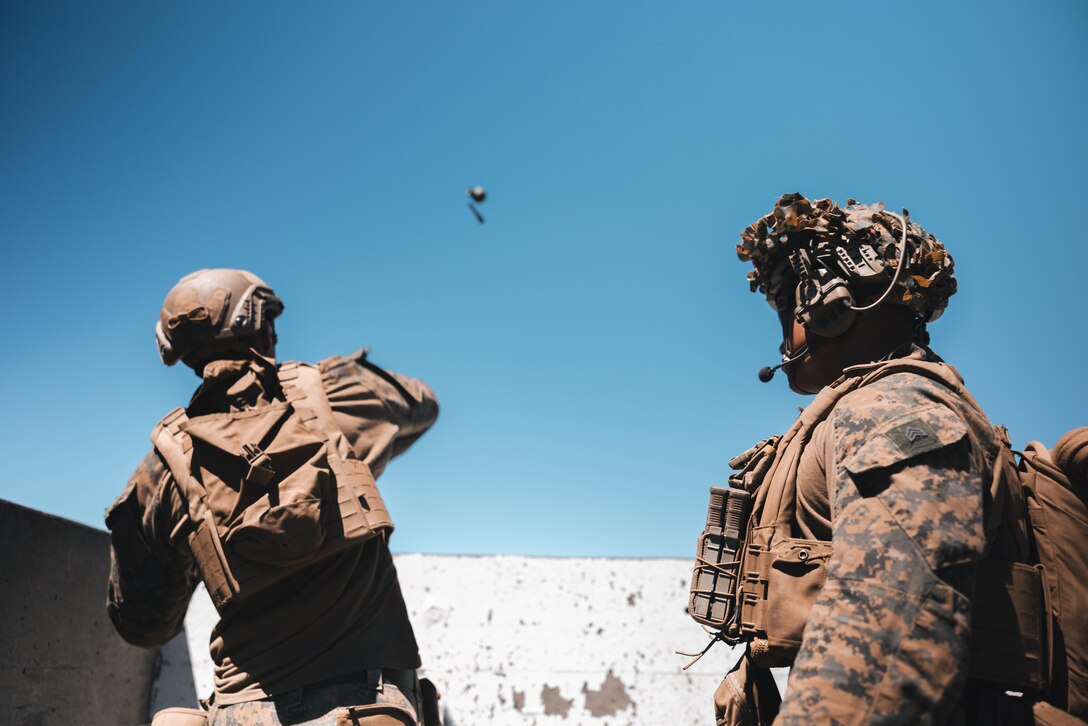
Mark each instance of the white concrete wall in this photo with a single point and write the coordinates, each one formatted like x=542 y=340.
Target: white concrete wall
x=521 y=640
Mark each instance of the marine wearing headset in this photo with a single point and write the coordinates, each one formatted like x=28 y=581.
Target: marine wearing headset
x=264 y=488
x=869 y=516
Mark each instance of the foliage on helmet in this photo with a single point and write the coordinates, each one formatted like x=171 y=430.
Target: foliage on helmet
x=836 y=234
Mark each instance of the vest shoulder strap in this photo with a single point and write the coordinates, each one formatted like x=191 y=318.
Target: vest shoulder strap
x=175 y=447
x=171 y=442
x=304 y=390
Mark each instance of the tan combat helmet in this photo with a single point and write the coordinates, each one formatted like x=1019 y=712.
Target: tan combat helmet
x=848 y=260
x=212 y=306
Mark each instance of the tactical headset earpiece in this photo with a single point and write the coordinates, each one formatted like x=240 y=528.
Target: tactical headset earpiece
x=825 y=305
x=824 y=302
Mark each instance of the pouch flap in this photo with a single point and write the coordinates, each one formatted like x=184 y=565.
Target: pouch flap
x=904 y=437
x=280 y=535
x=801 y=551
x=274 y=430
x=229 y=431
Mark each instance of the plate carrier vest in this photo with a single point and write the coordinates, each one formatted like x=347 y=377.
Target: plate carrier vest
x=270 y=490
x=754 y=583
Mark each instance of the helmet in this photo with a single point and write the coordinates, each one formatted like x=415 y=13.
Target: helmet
x=209 y=306
x=845 y=261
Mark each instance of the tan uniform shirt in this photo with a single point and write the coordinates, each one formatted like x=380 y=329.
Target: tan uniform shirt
x=344 y=614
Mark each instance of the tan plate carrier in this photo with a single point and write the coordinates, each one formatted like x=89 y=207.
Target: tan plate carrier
x=302 y=427
x=771 y=580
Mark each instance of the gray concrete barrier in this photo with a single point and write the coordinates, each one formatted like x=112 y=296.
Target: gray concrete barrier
x=60 y=659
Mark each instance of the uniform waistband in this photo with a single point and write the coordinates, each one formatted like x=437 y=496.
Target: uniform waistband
x=403 y=678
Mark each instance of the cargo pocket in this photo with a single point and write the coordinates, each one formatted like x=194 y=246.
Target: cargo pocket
x=798 y=572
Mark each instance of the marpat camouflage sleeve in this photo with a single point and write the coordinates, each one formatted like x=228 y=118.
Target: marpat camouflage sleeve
x=152 y=575
x=888 y=640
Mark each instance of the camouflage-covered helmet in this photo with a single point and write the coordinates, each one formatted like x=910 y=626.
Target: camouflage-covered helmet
x=857 y=246
x=209 y=306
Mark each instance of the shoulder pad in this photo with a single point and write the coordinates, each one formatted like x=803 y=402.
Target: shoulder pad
x=913 y=433
x=172 y=443
x=170 y=422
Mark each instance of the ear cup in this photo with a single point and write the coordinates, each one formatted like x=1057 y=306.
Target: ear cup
x=824 y=307
x=831 y=321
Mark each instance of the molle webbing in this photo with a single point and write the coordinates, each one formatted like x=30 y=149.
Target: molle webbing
x=768 y=540
x=1012 y=641
x=362 y=509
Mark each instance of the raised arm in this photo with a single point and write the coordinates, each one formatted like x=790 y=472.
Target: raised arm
x=380 y=412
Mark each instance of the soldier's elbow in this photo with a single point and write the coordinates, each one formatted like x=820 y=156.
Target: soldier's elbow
x=136 y=633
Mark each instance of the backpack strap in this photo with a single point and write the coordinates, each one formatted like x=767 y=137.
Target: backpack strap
x=173 y=443
x=175 y=446
x=305 y=391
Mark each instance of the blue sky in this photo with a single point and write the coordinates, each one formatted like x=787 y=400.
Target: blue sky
x=593 y=346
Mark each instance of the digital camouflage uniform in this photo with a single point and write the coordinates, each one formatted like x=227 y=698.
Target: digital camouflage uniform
x=898 y=478
x=379 y=703
x=891 y=484
x=342 y=619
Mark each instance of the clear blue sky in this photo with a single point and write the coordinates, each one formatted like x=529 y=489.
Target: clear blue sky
x=594 y=345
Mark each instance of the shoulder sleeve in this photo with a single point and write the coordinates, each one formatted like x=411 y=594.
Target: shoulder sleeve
x=381 y=413
x=906 y=436
x=152 y=575
x=889 y=635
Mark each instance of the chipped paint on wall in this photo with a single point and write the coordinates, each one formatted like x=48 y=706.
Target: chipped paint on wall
x=539 y=641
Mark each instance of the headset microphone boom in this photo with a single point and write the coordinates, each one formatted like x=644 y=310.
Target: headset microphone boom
x=766 y=373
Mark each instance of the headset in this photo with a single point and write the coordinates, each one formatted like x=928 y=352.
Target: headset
x=825 y=305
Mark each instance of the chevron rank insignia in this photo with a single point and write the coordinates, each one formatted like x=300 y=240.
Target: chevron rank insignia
x=914 y=437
